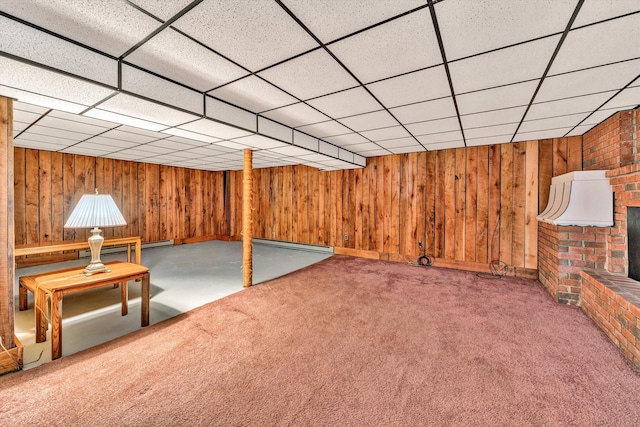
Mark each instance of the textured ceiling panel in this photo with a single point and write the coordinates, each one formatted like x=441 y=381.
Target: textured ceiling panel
x=254 y=94
x=296 y=115
x=410 y=88
x=400 y=46
x=162 y=9
x=347 y=16
x=595 y=11
x=173 y=55
x=385 y=133
x=146 y=110
x=346 y=139
x=430 y=110
x=589 y=81
x=191 y=135
x=434 y=126
x=614 y=44
x=324 y=129
x=628 y=97
x=491 y=118
x=369 y=121
x=440 y=137
x=28 y=43
x=566 y=106
x=346 y=103
x=109 y=26
x=254 y=34
x=506 y=131
x=515 y=64
x=310 y=75
x=552 y=123
x=509 y=22
x=502 y=97
x=212 y=128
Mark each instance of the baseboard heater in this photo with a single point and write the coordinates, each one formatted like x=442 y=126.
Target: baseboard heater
x=116 y=249
x=293 y=245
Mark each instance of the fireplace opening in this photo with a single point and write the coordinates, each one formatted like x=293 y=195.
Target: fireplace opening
x=633 y=240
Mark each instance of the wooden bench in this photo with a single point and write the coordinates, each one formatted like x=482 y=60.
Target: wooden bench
x=74 y=246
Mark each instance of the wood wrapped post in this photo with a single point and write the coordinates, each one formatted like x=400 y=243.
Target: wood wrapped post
x=12 y=359
x=247 y=219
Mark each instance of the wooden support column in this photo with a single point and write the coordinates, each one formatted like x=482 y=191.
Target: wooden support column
x=11 y=359
x=247 y=219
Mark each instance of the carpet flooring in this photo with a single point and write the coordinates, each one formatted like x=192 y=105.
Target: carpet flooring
x=346 y=342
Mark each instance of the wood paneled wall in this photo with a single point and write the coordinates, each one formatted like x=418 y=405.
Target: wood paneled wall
x=467 y=205
x=159 y=202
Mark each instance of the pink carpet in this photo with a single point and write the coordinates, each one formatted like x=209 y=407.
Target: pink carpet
x=346 y=342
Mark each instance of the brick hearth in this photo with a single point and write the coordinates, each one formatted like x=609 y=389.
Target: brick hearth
x=588 y=266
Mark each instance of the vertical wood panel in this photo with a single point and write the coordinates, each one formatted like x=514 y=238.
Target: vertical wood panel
x=506 y=203
x=57 y=197
x=559 y=156
x=430 y=204
x=494 y=203
x=450 y=204
x=519 y=197
x=532 y=189
x=545 y=172
x=471 y=204
x=440 y=203
x=32 y=182
x=19 y=196
x=460 y=190
x=574 y=153
x=482 y=200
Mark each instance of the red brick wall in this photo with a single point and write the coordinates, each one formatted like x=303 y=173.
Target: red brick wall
x=613 y=303
x=563 y=252
x=612 y=144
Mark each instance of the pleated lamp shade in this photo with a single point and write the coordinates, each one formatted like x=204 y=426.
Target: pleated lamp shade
x=95 y=210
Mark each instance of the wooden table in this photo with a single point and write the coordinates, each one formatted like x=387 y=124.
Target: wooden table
x=54 y=285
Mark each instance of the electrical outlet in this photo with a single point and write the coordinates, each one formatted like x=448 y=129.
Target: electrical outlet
x=346 y=237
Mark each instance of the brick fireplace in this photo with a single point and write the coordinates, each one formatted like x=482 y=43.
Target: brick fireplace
x=588 y=266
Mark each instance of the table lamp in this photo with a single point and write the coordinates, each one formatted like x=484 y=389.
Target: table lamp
x=93 y=211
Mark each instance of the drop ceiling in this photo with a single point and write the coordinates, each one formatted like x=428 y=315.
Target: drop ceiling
x=323 y=83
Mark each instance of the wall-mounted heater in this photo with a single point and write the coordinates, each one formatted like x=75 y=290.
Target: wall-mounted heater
x=583 y=198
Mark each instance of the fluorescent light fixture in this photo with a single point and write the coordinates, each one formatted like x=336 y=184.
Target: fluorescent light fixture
x=124 y=120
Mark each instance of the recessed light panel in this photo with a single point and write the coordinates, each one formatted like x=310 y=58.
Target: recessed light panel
x=254 y=34
x=123 y=119
x=254 y=94
x=400 y=46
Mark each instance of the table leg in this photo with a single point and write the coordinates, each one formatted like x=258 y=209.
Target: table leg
x=56 y=325
x=24 y=302
x=40 y=307
x=146 y=285
x=125 y=297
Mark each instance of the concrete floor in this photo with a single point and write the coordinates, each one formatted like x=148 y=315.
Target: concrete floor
x=182 y=278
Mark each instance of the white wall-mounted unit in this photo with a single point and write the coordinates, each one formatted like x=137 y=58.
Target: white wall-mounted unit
x=582 y=198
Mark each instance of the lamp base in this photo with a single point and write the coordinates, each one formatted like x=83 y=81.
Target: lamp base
x=94 y=268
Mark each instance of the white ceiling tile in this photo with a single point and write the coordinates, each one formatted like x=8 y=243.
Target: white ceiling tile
x=71 y=125
x=492 y=24
x=314 y=157
x=429 y=110
x=40 y=145
x=173 y=55
x=27 y=42
x=124 y=156
x=492 y=118
x=439 y=138
x=566 y=106
x=594 y=11
x=143 y=132
x=230 y=114
x=402 y=45
x=76 y=149
x=628 y=97
x=505 y=131
x=489 y=140
x=346 y=139
x=552 y=123
x=492 y=99
x=367 y=146
x=515 y=64
x=580 y=130
x=422 y=85
x=123 y=119
x=434 y=126
x=206 y=150
x=23 y=106
x=346 y=16
x=290 y=150
x=34 y=80
x=310 y=75
x=110 y=142
x=231 y=144
x=399 y=142
x=275 y=130
x=374 y=153
x=346 y=103
x=345 y=155
x=19 y=127
x=254 y=94
x=303 y=140
x=385 y=133
x=190 y=135
x=598 y=116
x=163 y=9
x=125 y=135
x=215 y=129
x=254 y=34
x=46 y=138
x=589 y=81
x=376 y=120
x=110 y=27
x=445 y=145
x=171 y=145
x=25 y=116
x=148 y=150
x=40 y=100
x=95 y=147
x=146 y=110
x=296 y=115
x=408 y=149
x=39 y=129
x=153 y=87
x=328 y=149
x=541 y=134
x=82 y=119
x=599 y=44
x=259 y=141
x=325 y=129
